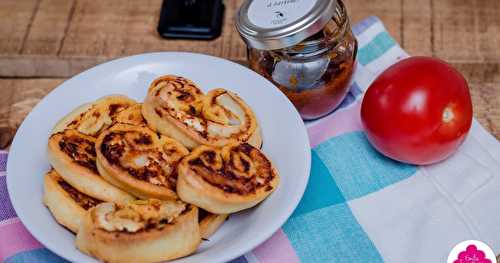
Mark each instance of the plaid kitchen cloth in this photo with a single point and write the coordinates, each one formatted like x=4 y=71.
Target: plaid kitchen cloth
x=359 y=206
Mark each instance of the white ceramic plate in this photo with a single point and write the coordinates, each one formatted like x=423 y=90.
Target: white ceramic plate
x=285 y=142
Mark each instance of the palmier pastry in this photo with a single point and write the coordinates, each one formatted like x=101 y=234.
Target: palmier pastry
x=176 y=107
x=93 y=118
x=139 y=161
x=73 y=156
x=209 y=223
x=142 y=231
x=66 y=203
x=131 y=115
x=228 y=180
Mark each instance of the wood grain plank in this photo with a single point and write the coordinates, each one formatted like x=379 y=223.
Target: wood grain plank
x=116 y=28
x=232 y=46
x=15 y=19
x=484 y=83
x=45 y=66
x=28 y=92
x=416 y=27
x=49 y=27
x=19 y=96
x=454 y=30
x=480 y=72
x=99 y=28
x=467 y=30
x=487 y=15
x=6 y=131
x=103 y=30
x=144 y=38
x=485 y=101
x=389 y=11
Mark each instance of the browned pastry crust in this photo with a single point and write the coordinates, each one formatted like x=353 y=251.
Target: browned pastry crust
x=176 y=107
x=210 y=223
x=143 y=231
x=73 y=156
x=226 y=180
x=139 y=161
x=131 y=115
x=92 y=118
x=71 y=146
x=66 y=203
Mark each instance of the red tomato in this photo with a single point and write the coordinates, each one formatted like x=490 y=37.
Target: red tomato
x=418 y=111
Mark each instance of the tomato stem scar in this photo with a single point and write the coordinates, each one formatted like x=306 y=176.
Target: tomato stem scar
x=448 y=115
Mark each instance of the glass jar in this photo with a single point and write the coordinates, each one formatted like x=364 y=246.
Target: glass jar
x=313 y=72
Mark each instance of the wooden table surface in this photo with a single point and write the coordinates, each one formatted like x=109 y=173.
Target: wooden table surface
x=43 y=42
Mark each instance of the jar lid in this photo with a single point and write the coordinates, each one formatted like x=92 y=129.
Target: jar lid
x=276 y=24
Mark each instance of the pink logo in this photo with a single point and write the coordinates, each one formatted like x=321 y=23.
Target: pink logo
x=472 y=255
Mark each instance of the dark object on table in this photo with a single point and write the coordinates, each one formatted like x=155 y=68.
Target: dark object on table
x=191 y=19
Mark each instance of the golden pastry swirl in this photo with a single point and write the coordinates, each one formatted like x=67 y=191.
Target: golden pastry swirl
x=176 y=107
x=139 y=161
x=137 y=215
x=131 y=115
x=79 y=147
x=73 y=156
x=210 y=223
x=226 y=180
x=84 y=201
x=140 y=231
x=91 y=119
x=66 y=203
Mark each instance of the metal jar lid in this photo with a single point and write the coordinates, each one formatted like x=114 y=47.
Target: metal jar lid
x=276 y=24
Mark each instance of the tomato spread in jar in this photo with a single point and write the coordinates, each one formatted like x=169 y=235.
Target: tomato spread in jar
x=309 y=53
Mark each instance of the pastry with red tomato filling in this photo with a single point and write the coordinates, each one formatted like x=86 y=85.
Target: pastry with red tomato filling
x=139 y=161
x=92 y=118
x=71 y=147
x=141 y=231
x=131 y=115
x=66 y=203
x=73 y=156
x=226 y=180
x=176 y=107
